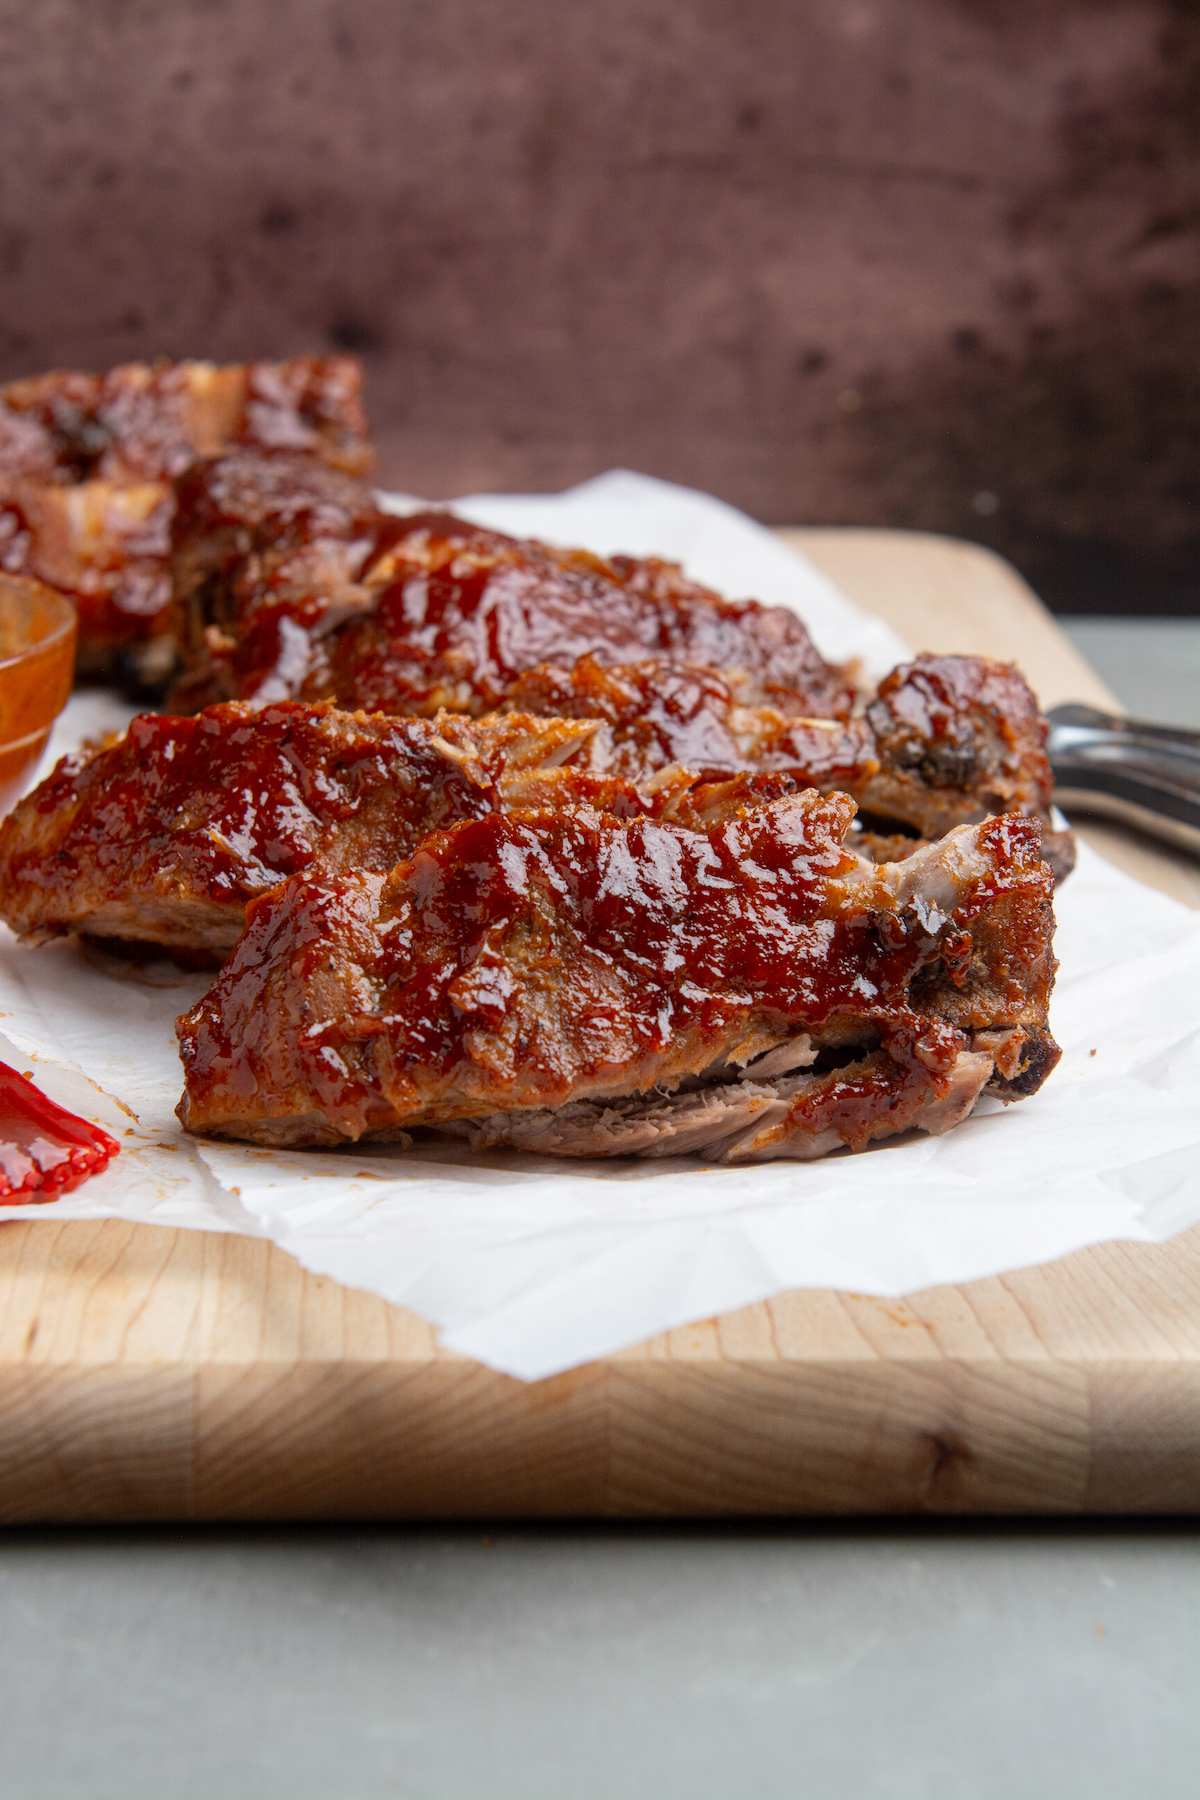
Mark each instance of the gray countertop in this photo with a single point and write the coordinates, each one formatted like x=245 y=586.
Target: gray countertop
x=921 y=1660
x=1152 y=665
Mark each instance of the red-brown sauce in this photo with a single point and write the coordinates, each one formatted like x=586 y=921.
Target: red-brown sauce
x=238 y=801
x=45 y=1151
x=457 y=612
x=635 y=934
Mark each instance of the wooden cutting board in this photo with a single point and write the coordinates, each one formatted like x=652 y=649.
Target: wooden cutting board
x=154 y=1374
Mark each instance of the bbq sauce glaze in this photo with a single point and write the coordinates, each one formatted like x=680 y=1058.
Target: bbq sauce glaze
x=236 y=800
x=452 y=614
x=536 y=952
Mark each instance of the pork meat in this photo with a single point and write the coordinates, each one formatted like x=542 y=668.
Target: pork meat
x=164 y=836
x=584 y=985
x=87 y=463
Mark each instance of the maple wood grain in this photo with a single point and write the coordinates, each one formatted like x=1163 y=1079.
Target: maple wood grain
x=156 y=1374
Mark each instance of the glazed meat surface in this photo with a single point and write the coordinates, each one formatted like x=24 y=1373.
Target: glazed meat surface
x=106 y=546
x=333 y=599
x=270 y=549
x=957 y=738
x=292 y=582
x=163 y=836
x=87 y=462
x=465 y=612
x=148 y=422
x=657 y=714
x=949 y=740
x=951 y=733
x=580 y=984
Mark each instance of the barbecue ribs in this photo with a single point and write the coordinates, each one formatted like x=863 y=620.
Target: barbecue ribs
x=87 y=463
x=949 y=740
x=657 y=714
x=294 y=586
x=163 y=836
x=291 y=582
x=583 y=985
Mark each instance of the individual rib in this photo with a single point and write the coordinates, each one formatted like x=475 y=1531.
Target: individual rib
x=163 y=836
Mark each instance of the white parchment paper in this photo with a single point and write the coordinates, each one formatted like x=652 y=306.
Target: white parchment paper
x=533 y=1264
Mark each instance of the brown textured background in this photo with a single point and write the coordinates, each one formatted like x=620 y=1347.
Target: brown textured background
x=915 y=262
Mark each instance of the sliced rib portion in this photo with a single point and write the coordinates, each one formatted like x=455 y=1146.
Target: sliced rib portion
x=87 y=462
x=520 y=966
x=149 y=421
x=271 y=553
x=656 y=714
x=949 y=739
x=163 y=836
x=291 y=582
x=344 y=602
x=957 y=737
x=464 y=611
x=982 y=748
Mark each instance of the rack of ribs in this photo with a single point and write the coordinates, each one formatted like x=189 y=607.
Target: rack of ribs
x=294 y=584
x=291 y=582
x=163 y=836
x=583 y=985
x=947 y=741
x=87 y=464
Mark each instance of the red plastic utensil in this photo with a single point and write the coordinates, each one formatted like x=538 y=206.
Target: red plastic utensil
x=45 y=1151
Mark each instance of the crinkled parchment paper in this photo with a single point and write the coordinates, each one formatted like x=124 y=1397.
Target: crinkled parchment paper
x=533 y=1264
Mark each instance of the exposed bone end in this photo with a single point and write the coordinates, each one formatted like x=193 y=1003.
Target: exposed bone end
x=971 y=1072
x=1025 y=1067
x=797 y=1052
x=935 y=874
x=941 y=873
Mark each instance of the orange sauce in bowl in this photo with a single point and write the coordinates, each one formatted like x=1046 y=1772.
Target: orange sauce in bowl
x=37 y=661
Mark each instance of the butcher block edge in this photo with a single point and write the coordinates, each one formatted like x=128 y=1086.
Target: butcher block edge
x=154 y=1374
x=151 y=1374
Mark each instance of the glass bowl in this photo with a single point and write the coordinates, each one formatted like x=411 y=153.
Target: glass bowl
x=37 y=663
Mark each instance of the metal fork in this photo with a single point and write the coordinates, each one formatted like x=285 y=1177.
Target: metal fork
x=1143 y=775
